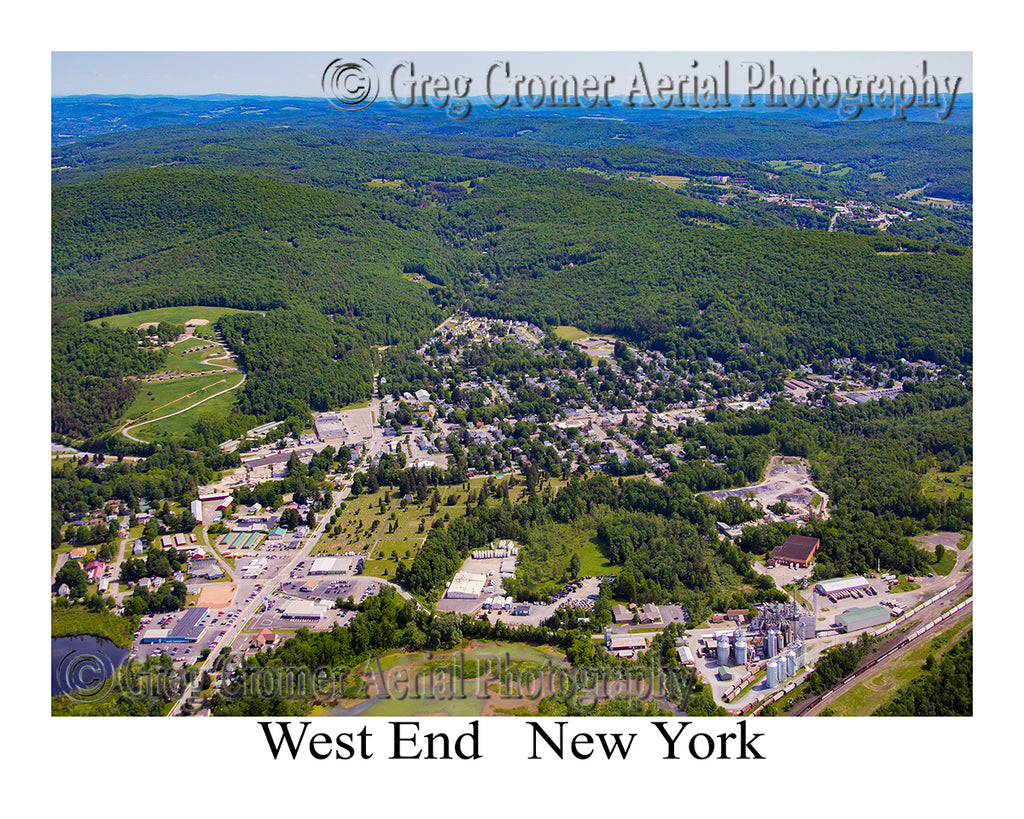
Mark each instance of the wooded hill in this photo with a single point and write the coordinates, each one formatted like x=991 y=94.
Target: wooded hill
x=288 y=220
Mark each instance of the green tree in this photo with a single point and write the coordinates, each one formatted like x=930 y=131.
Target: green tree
x=74 y=577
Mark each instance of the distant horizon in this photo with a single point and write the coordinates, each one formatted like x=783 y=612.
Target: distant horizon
x=299 y=74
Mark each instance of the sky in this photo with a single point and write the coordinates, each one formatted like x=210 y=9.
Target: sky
x=298 y=74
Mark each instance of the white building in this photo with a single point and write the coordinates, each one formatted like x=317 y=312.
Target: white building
x=466 y=585
x=304 y=610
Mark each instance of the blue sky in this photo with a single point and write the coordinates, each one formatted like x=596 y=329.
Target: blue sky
x=298 y=74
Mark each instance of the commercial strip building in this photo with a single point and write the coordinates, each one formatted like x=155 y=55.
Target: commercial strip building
x=346 y=564
x=254 y=568
x=304 y=610
x=188 y=629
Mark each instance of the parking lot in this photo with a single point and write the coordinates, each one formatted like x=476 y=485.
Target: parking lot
x=579 y=595
x=217 y=622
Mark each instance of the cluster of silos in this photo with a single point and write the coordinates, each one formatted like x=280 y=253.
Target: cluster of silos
x=736 y=644
x=785 y=665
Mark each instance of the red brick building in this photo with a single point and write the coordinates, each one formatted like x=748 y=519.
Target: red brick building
x=797 y=551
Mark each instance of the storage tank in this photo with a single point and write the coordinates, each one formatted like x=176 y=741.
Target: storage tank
x=790 y=663
x=800 y=650
x=772 y=644
x=773 y=673
x=723 y=649
x=740 y=649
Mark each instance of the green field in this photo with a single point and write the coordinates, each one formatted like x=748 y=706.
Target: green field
x=454 y=682
x=671 y=181
x=795 y=165
x=170 y=315
x=570 y=333
x=156 y=399
x=363 y=524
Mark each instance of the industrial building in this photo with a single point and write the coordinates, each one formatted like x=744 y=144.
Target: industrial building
x=330 y=426
x=466 y=585
x=865 y=617
x=797 y=551
x=842 y=586
x=625 y=642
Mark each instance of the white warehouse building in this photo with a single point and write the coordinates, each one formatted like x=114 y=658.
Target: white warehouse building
x=466 y=586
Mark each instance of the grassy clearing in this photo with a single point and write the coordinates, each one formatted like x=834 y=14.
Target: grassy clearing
x=948 y=485
x=672 y=181
x=945 y=566
x=188 y=356
x=169 y=315
x=77 y=620
x=570 y=333
x=161 y=398
x=592 y=559
x=455 y=682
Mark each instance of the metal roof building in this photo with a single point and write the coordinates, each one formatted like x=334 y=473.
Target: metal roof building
x=466 y=585
x=854 y=619
x=842 y=584
x=335 y=565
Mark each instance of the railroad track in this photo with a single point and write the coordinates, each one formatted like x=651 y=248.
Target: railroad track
x=891 y=651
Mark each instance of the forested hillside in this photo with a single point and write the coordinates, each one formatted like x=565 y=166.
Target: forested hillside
x=348 y=244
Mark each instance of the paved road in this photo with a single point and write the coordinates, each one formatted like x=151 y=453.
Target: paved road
x=249 y=610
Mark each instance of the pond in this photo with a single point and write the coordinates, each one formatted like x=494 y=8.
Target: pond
x=79 y=666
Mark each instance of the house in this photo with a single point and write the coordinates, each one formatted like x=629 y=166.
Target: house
x=264 y=638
